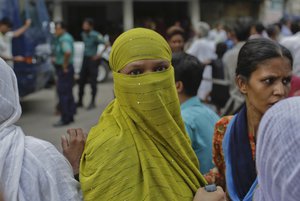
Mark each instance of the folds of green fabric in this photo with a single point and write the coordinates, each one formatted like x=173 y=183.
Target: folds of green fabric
x=139 y=149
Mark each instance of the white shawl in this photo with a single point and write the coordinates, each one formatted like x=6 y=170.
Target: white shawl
x=278 y=153
x=30 y=169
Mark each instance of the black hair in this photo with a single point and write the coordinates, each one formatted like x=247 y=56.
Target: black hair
x=295 y=28
x=188 y=70
x=6 y=21
x=241 y=30
x=256 y=51
x=90 y=21
x=61 y=24
x=172 y=31
x=271 y=30
x=221 y=48
x=259 y=27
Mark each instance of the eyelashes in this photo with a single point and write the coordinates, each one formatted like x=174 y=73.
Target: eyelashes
x=141 y=71
x=271 y=80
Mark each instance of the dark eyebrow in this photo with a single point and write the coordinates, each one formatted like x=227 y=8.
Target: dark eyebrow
x=137 y=65
x=162 y=63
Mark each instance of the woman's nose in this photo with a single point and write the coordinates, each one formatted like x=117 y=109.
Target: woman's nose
x=280 y=89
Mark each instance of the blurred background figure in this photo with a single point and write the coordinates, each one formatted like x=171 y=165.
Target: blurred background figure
x=63 y=60
x=89 y=70
x=220 y=89
x=175 y=38
x=257 y=30
x=273 y=31
x=218 y=34
x=6 y=36
x=293 y=44
x=241 y=31
x=286 y=26
x=204 y=49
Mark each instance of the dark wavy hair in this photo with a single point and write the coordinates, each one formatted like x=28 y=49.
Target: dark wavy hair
x=256 y=51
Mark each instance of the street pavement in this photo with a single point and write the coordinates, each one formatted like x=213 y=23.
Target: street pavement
x=39 y=116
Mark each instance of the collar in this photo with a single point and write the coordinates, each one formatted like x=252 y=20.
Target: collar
x=190 y=102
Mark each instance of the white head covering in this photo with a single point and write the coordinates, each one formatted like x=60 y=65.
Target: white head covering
x=278 y=153
x=9 y=97
x=30 y=169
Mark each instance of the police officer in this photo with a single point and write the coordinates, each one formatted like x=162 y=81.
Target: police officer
x=63 y=60
x=89 y=70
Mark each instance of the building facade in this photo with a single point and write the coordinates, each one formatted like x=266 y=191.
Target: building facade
x=120 y=15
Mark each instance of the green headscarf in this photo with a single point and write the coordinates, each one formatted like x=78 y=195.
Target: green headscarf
x=139 y=150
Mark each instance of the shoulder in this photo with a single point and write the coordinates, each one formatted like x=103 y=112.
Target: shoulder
x=220 y=130
x=44 y=152
x=34 y=144
x=94 y=33
x=47 y=171
x=69 y=36
x=219 y=133
x=10 y=34
x=200 y=115
x=221 y=125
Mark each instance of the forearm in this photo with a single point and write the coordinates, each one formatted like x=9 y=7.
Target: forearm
x=66 y=59
x=5 y=58
x=20 y=31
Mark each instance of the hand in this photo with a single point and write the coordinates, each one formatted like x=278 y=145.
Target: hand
x=18 y=59
x=95 y=58
x=202 y=195
x=53 y=60
x=65 y=69
x=28 y=22
x=73 y=147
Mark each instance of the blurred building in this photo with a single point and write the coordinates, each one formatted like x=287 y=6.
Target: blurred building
x=119 y=15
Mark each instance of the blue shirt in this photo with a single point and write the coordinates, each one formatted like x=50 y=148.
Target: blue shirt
x=199 y=122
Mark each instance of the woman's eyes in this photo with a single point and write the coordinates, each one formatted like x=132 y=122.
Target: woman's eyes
x=141 y=71
x=135 y=72
x=161 y=68
x=270 y=81
x=287 y=80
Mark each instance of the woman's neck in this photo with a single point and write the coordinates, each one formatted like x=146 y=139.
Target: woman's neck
x=253 y=119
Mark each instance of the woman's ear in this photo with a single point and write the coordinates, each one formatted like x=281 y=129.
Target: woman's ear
x=179 y=86
x=241 y=83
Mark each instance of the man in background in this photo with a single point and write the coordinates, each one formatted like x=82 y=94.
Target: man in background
x=63 y=61
x=6 y=36
x=89 y=70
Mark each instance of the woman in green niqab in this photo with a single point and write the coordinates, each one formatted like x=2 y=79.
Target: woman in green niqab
x=139 y=150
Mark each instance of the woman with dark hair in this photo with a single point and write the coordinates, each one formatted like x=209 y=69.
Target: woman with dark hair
x=263 y=76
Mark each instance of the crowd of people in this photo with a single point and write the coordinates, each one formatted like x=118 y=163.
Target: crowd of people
x=168 y=133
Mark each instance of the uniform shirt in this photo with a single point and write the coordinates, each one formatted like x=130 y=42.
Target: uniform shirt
x=63 y=44
x=91 y=41
x=199 y=122
x=5 y=46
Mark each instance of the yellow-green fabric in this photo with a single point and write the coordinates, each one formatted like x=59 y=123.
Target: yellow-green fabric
x=139 y=150
x=138 y=44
